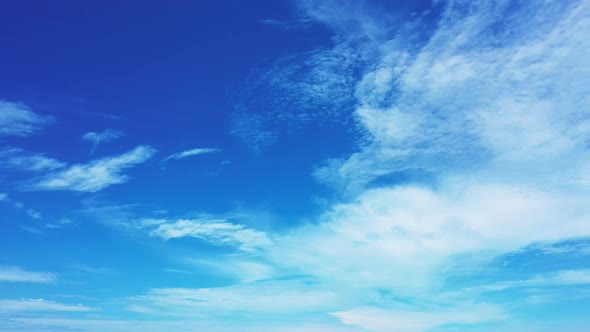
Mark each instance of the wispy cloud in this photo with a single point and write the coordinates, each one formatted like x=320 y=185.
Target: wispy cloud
x=16 y=274
x=452 y=104
x=39 y=305
x=269 y=297
x=100 y=324
x=298 y=90
x=17 y=119
x=60 y=223
x=218 y=232
x=559 y=278
x=34 y=214
x=301 y=23
x=490 y=105
x=16 y=159
x=179 y=271
x=95 y=175
x=190 y=153
x=380 y=320
x=95 y=138
x=91 y=270
x=31 y=230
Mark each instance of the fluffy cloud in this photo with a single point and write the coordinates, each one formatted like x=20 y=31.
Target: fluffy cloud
x=17 y=119
x=95 y=175
x=422 y=232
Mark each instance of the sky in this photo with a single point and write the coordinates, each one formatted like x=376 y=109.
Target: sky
x=295 y=165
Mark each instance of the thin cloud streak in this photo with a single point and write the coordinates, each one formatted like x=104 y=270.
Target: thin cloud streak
x=17 y=119
x=95 y=175
x=190 y=153
x=39 y=305
x=16 y=274
x=217 y=232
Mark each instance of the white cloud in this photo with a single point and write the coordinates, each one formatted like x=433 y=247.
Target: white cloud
x=178 y=271
x=108 y=135
x=17 y=119
x=15 y=274
x=95 y=175
x=3 y=197
x=17 y=159
x=559 y=278
x=422 y=232
x=43 y=324
x=243 y=270
x=500 y=121
x=191 y=152
x=34 y=214
x=496 y=114
x=379 y=320
x=502 y=126
x=38 y=305
x=469 y=97
x=316 y=86
x=267 y=297
x=218 y=232
x=61 y=223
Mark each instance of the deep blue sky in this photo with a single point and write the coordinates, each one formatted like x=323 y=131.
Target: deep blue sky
x=337 y=166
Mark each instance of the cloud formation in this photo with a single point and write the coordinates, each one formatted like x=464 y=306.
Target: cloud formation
x=217 y=232
x=108 y=135
x=16 y=159
x=39 y=305
x=17 y=119
x=190 y=153
x=16 y=274
x=95 y=175
x=490 y=107
x=474 y=95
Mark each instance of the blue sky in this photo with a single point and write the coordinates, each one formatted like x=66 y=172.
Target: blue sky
x=340 y=166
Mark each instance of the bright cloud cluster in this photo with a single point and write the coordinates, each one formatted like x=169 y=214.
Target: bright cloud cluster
x=470 y=97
